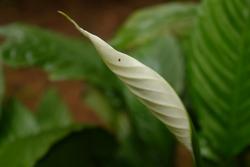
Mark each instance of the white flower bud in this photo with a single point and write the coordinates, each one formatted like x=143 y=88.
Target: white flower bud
x=150 y=88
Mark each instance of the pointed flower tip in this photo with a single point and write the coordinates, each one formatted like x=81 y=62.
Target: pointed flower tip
x=84 y=32
x=68 y=18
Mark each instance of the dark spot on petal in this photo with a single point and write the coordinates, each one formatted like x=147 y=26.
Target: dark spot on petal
x=119 y=59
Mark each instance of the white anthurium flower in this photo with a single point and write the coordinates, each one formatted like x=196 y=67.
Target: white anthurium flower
x=150 y=88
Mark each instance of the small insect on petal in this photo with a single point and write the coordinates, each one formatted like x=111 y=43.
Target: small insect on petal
x=149 y=87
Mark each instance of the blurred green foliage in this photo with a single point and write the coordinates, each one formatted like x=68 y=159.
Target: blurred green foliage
x=151 y=23
x=25 y=137
x=219 y=78
x=62 y=58
x=163 y=37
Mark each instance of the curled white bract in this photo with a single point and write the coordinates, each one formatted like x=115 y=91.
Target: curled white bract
x=150 y=88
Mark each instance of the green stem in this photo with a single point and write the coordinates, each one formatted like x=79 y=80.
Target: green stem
x=196 y=148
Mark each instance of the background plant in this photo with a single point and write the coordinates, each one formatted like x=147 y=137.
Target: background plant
x=210 y=40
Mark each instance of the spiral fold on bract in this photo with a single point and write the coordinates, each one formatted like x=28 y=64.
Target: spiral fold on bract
x=150 y=88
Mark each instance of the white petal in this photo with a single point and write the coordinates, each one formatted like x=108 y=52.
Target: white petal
x=150 y=88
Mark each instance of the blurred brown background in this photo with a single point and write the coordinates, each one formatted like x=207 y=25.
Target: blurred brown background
x=101 y=17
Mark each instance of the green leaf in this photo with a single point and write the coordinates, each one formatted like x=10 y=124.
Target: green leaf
x=89 y=147
x=102 y=106
x=153 y=22
x=61 y=57
x=25 y=137
x=50 y=117
x=219 y=76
